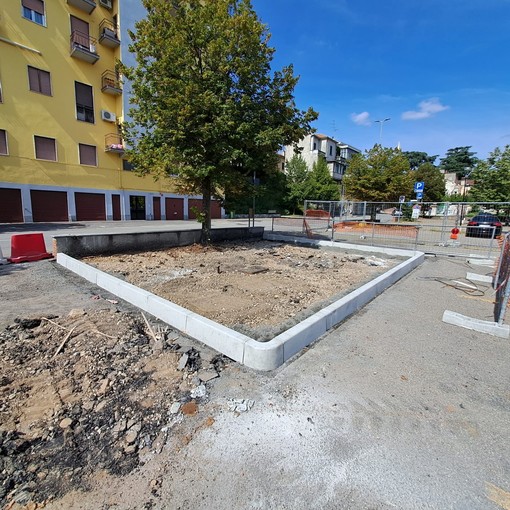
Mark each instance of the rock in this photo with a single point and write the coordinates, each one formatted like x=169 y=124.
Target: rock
x=131 y=436
x=207 y=375
x=65 y=423
x=174 y=408
x=157 y=347
x=198 y=392
x=76 y=312
x=104 y=386
x=100 y=406
x=182 y=362
x=131 y=448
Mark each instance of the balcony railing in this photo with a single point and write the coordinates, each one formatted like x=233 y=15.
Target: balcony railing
x=84 y=5
x=113 y=143
x=84 y=47
x=109 y=34
x=110 y=83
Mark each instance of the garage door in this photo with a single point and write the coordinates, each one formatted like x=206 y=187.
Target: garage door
x=90 y=206
x=215 y=208
x=174 y=208
x=49 y=205
x=116 y=207
x=156 y=206
x=11 y=210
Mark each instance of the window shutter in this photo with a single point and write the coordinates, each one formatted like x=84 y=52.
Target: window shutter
x=87 y=154
x=45 y=82
x=3 y=141
x=45 y=148
x=78 y=25
x=83 y=94
x=34 y=5
x=33 y=79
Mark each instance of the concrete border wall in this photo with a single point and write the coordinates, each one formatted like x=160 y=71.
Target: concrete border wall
x=257 y=355
x=96 y=244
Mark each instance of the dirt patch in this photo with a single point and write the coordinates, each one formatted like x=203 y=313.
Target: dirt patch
x=259 y=288
x=92 y=391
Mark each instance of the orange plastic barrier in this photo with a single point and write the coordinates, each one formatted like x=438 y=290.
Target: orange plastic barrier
x=28 y=248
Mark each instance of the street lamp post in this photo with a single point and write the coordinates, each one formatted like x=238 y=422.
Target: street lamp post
x=381 y=122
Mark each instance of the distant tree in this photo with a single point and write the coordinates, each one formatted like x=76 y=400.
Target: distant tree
x=207 y=106
x=297 y=171
x=416 y=158
x=459 y=160
x=435 y=187
x=492 y=177
x=379 y=175
x=319 y=185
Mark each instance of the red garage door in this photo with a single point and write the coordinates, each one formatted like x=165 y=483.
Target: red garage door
x=90 y=206
x=11 y=210
x=116 y=207
x=215 y=208
x=49 y=205
x=156 y=206
x=174 y=208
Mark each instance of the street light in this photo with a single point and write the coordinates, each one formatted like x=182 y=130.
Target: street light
x=381 y=122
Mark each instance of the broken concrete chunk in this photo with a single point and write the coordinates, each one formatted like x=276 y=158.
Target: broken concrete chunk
x=182 y=362
x=174 y=408
x=207 y=375
x=198 y=392
x=240 y=405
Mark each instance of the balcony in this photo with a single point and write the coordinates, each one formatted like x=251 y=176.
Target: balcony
x=110 y=83
x=108 y=34
x=84 y=5
x=84 y=47
x=113 y=143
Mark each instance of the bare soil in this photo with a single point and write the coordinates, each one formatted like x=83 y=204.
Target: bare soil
x=260 y=288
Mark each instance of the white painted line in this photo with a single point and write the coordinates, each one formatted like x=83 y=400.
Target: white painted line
x=474 y=277
x=491 y=328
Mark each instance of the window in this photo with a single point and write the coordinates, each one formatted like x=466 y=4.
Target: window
x=330 y=150
x=34 y=11
x=45 y=148
x=39 y=81
x=88 y=154
x=3 y=142
x=314 y=146
x=84 y=102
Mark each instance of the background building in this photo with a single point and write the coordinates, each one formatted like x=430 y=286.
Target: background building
x=61 y=104
x=337 y=154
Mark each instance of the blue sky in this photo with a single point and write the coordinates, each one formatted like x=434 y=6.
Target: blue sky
x=440 y=69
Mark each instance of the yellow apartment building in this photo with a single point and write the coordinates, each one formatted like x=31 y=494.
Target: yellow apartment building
x=61 y=104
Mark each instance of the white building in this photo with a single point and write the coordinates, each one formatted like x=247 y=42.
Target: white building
x=337 y=154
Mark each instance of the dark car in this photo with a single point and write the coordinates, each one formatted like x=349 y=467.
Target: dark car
x=484 y=225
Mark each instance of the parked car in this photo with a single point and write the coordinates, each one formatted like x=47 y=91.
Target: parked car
x=484 y=225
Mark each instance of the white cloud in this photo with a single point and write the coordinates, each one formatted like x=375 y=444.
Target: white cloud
x=361 y=119
x=427 y=109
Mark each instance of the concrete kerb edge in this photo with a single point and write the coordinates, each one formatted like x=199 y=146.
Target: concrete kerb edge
x=491 y=328
x=262 y=356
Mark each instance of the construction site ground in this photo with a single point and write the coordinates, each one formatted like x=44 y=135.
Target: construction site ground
x=104 y=408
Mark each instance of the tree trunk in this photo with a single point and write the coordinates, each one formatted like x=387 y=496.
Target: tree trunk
x=205 y=237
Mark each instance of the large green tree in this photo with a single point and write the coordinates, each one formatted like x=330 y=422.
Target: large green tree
x=435 y=188
x=379 y=175
x=206 y=105
x=319 y=185
x=296 y=170
x=459 y=160
x=416 y=159
x=492 y=178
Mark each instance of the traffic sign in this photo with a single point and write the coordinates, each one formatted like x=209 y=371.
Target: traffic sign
x=419 y=195
x=402 y=199
x=419 y=186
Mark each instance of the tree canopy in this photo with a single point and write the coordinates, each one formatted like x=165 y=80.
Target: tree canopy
x=379 y=175
x=205 y=104
x=459 y=160
x=492 y=177
x=417 y=158
x=319 y=185
x=296 y=170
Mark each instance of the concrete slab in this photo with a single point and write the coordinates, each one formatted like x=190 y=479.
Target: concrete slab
x=474 y=277
x=491 y=328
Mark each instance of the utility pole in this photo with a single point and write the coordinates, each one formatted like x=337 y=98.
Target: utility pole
x=381 y=122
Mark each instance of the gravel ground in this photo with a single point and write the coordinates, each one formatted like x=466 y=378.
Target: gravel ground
x=392 y=409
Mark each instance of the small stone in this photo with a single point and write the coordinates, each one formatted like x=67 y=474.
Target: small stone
x=182 y=362
x=100 y=406
x=174 y=408
x=103 y=387
x=76 y=312
x=154 y=484
x=88 y=405
x=130 y=448
x=198 y=392
x=131 y=436
x=207 y=375
x=65 y=423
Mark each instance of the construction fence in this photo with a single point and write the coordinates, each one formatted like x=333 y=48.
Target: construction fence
x=439 y=228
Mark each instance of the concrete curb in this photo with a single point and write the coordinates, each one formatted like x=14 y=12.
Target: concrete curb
x=491 y=328
x=2 y=259
x=257 y=355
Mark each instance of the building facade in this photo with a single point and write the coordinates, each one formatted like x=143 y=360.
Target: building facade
x=61 y=105
x=312 y=147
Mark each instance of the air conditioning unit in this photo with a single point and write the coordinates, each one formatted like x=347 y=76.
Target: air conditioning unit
x=106 y=3
x=108 y=116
